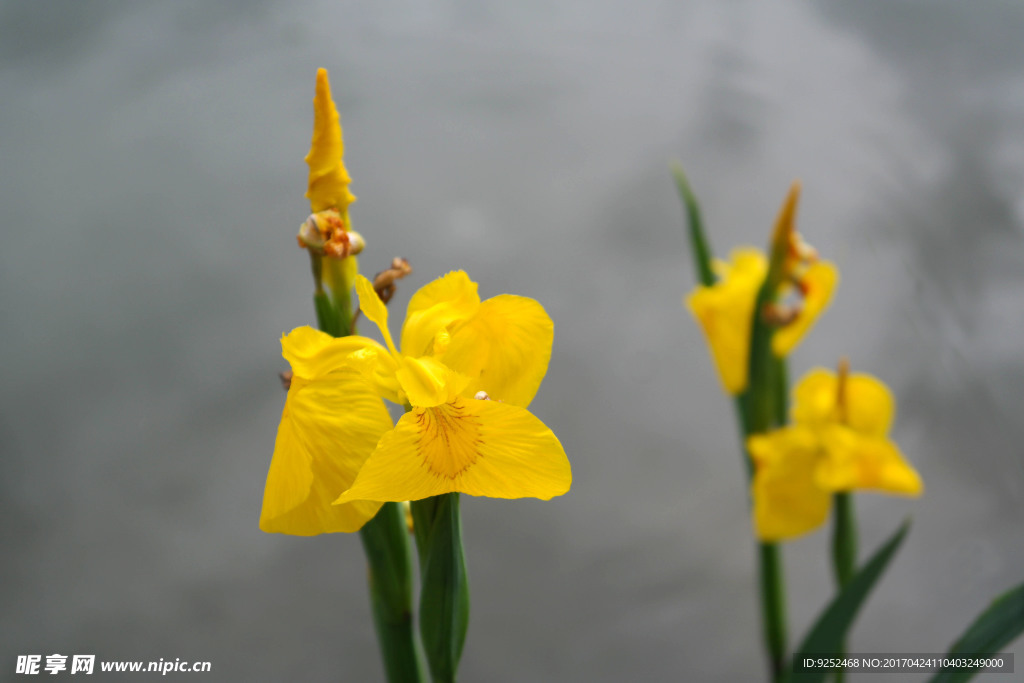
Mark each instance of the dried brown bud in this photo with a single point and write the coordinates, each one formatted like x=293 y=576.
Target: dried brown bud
x=384 y=281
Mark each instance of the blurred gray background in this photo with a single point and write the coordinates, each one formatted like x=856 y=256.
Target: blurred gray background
x=151 y=183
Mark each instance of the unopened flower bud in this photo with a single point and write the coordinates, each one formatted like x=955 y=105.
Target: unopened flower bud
x=327 y=232
x=309 y=235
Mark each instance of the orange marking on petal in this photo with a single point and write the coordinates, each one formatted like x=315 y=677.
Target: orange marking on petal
x=450 y=439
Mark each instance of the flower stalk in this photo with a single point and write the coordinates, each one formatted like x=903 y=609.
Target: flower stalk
x=389 y=562
x=765 y=401
x=844 y=531
x=386 y=543
x=762 y=405
x=332 y=247
x=444 y=598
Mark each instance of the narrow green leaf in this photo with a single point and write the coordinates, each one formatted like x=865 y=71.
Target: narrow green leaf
x=444 y=599
x=698 y=240
x=829 y=632
x=997 y=626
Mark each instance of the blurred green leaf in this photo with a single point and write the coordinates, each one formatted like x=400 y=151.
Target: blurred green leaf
x=828 y=633
x=698 y=240
x=997 y=626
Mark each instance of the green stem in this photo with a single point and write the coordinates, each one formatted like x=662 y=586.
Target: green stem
x=760 y=408
x=844 y=549
x=765 y=404
x=773 y=607
x=389 y=557
x=386 y=544
x=343 y=305
x=844 y=539
x=444 y=598
x=326 y=316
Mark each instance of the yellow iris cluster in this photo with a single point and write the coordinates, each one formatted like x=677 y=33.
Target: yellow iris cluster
x=466 y=372
x=837 y=439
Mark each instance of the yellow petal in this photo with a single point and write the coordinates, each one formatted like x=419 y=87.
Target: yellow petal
x=819 y=281
x=788 y=501
x=436 y=306
x=504 y=348
x=870 y=407
x=328 y=429
x=814 y=398
x=379 y=368
x=374 y=309
x=858 y=462
x=481 y=448
x=425 y=381
x=328 y=179
x=313 y=353
x=725 y=313
x=868 y=404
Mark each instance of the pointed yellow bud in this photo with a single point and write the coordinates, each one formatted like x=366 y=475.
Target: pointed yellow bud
x=328 y=179
x=784 y=234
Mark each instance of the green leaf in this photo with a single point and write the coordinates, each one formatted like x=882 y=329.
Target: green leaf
x=829 y=632
x=699 y=242
x=444 y=599
x=997 y=626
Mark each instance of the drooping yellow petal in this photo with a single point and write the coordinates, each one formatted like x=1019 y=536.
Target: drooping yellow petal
x=788 y=501
x=868 y=405
x=314 y=354
x=725 y=313
x=854 y=461
x=436 y=306
x=328 y=178
x=481 y=448
x=329 y=427
x=374 y=310
x=819 y=281
x=504 y=348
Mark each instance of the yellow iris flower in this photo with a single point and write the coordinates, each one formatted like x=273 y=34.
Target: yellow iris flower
x=725 y=309
x=838 y=441
x=469 y=370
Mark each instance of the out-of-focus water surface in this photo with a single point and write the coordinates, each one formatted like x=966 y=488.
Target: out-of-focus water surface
x=151 y=182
